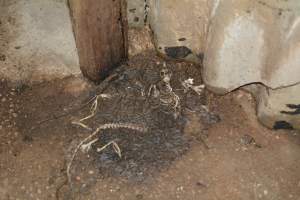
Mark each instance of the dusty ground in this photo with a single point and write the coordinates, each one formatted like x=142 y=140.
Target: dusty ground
x=220 y=153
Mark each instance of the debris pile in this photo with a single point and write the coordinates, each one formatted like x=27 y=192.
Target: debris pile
x=137 y=117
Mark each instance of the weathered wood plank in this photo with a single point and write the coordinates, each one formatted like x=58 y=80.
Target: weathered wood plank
x=100 y=29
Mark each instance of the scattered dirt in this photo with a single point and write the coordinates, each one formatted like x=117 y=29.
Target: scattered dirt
x=209 y=147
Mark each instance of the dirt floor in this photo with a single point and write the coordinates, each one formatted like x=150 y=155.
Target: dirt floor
x=177 y=144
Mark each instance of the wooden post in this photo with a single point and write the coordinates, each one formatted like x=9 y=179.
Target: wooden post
x=100 y=28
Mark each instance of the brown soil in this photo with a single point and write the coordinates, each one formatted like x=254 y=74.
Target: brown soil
x=187 y=153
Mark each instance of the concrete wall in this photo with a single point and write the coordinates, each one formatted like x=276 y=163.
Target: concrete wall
x=36 y=40
x=253 y=41
x=243 y=42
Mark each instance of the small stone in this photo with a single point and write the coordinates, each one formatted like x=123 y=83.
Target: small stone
x=200 y=184
x=2 y=57
x=3 y=99
x=247 y=140
x=244 y=148
x=39 y=191
x=15 y=115
x=266 y=192
x=180 y=188
x=27 y=138
x=139 y=196
x=91 y=172
x=77 y=178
